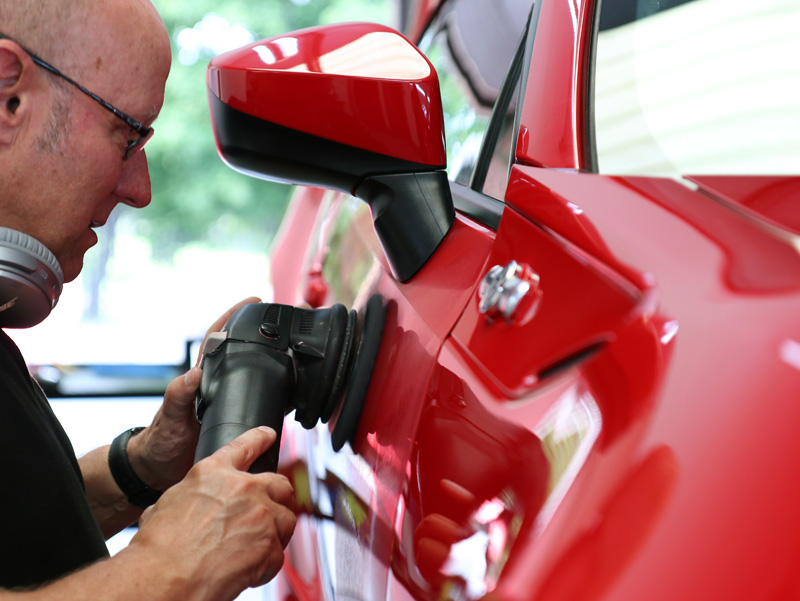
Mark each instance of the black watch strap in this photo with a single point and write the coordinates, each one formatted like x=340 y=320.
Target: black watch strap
x=138 y=492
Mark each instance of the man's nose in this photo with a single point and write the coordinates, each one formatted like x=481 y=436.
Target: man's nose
x=134 y=181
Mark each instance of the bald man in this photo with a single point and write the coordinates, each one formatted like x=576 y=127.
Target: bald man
x=81 y=82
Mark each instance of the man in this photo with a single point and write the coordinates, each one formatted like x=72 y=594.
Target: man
x=66 y=160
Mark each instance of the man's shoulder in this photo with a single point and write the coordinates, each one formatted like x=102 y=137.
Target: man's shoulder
x=45 y=520
x=10 y=355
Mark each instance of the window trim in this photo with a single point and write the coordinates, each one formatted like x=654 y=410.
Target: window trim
x=507 y=89
x=589 y=153
x=515 y=76
x=477 y=206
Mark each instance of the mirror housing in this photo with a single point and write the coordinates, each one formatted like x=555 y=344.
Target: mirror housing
x=354 y=107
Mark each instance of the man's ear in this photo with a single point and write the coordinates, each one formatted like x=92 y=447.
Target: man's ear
x=15 y=66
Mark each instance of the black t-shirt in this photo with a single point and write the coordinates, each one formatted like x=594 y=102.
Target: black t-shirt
x=47 y=528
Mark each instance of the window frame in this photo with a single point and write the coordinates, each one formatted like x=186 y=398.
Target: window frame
x=470 y=200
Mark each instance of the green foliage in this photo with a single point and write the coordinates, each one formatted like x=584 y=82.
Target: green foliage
x=197 y=198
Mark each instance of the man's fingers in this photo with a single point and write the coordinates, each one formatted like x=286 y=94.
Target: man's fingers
x=285 y=522
x=272 y=566
x=243 y=450
x=281 y=491
x=240 y=453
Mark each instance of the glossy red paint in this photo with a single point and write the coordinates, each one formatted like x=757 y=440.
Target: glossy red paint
x=474 y=479
x=353 y=495
x=553 y=128
x=728 y=292
x=773 y=199
x=288 y=258
x=606 y=465
x=286 y=79
x=660 y=465
x=584 y=423
x=576 y=206
x=566 y=324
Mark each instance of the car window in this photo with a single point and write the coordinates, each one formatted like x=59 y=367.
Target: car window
x=700 y=87
x=491 y=177
x=472 y=44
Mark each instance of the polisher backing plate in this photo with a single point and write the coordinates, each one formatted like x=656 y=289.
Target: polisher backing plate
x=343 y=369
x=366 y=353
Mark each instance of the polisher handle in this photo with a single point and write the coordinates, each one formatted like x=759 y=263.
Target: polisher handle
x=243 y=386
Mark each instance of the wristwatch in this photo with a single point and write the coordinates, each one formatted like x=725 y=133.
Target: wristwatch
x=138 y=493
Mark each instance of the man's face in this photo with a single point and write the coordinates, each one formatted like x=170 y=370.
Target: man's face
x=80 y=172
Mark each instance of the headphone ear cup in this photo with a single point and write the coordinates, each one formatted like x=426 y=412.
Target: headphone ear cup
x=31 y=280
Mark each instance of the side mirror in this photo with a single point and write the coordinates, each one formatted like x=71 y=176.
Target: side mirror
x=354 y=107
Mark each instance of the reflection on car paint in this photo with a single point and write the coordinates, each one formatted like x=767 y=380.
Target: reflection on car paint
x=475 y=479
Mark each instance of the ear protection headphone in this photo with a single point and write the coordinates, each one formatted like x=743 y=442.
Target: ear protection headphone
x=31 y=280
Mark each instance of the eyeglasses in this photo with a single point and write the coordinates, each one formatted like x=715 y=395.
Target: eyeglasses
x=143 y=133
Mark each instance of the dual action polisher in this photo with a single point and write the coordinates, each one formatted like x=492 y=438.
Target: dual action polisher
x=271 y=358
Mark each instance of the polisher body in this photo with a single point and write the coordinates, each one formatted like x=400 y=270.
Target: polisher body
x=270 y=359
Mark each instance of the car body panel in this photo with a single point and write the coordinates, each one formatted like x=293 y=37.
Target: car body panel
x=288 y=259
x=772 y=198
x=578 y=206
x=581 y=306
x=553 y=127
x=725 y=318
x=633 y=438
x=371 y=476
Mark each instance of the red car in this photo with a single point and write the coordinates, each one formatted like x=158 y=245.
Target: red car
x=588 y=383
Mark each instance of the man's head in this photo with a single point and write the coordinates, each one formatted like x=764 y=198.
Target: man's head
x=61 y=152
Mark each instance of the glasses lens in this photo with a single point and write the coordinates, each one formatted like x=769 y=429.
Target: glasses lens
x=138 y=143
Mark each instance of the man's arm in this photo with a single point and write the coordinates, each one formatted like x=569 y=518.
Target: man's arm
x=217 y=532
x=109 y=504
x=159 y=461
x=160 y=455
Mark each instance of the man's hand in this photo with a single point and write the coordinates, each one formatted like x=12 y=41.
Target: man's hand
x=209 y=537
x=222 y=528
x=163 y=453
